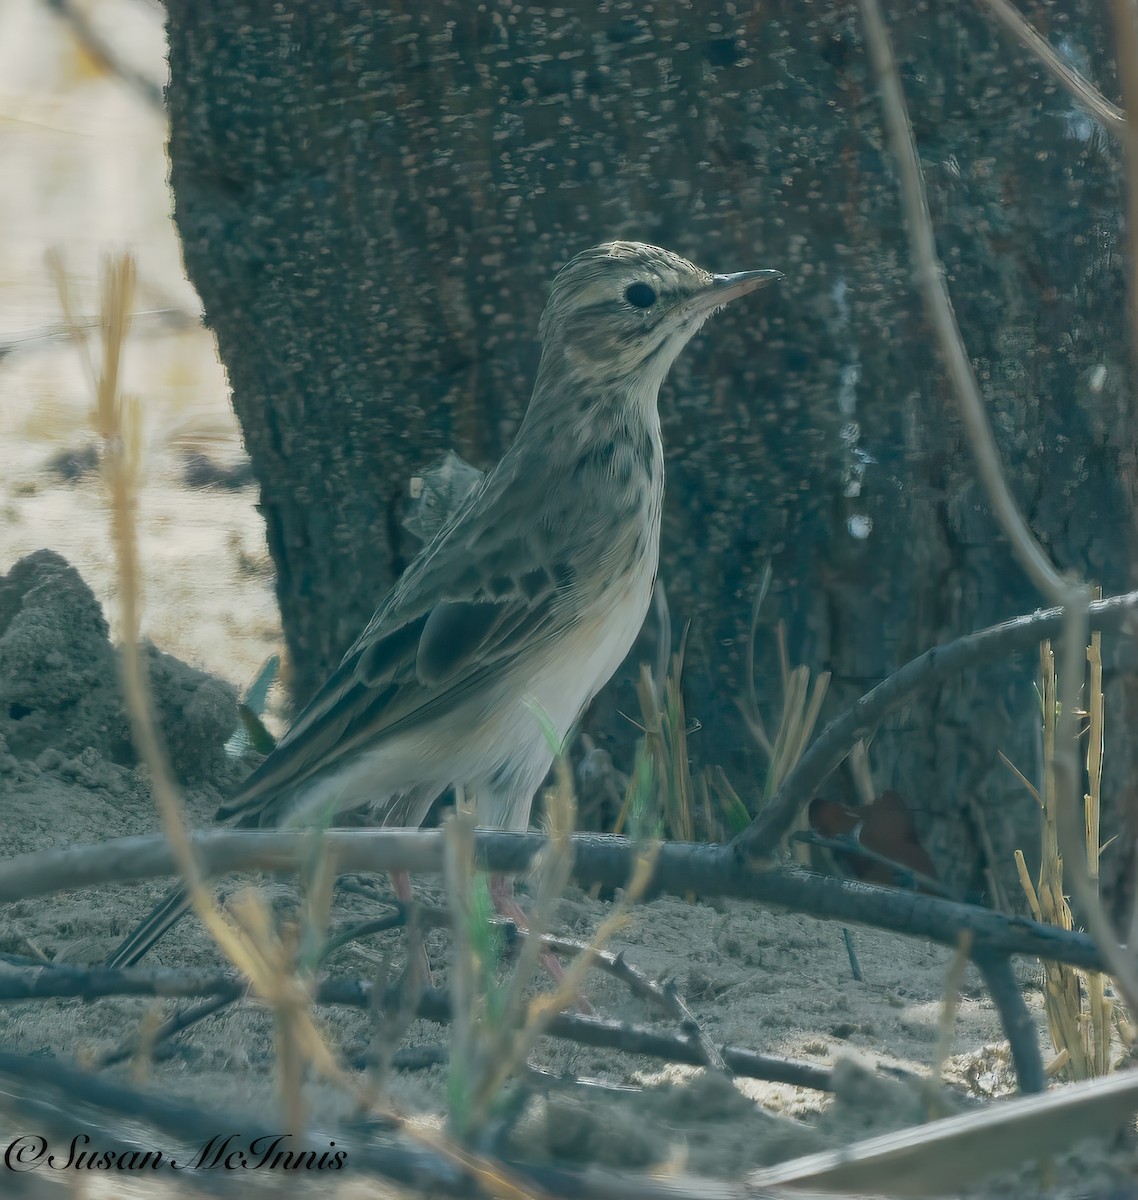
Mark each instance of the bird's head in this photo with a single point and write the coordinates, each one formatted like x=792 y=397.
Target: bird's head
x=619 y=314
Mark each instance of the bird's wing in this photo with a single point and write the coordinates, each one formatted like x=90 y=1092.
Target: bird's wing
x=475 y=599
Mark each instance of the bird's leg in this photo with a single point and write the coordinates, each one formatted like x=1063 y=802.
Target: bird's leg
x=502 y=896
x=401 y=886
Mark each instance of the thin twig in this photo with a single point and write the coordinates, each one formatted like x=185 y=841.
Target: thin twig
x=612 y=964
x=1073 y=596
x=104 y=53
x=711 y=1056
x=666 y=998
x=1125 y=24
x=1081 y=90
x=928 y=275
x=145 y=1045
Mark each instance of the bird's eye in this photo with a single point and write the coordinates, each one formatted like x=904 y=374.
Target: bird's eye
x=640 y=295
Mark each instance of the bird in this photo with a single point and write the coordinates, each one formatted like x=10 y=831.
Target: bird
x=524 y=601
x=880 y=842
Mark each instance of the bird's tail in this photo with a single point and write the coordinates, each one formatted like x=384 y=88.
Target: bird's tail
x=173 y=907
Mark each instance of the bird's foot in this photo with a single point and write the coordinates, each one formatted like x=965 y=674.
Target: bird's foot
x=502 y=895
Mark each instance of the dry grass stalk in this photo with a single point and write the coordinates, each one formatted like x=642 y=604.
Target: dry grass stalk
x=862 y=774
x=1099 y=1005
x=801 y=704
x=117 y=422
x=665 y=734
x=946 y=1023
x=681 y=798
x=749 y=703
x=1080 y=1032
x=458 y=835
x=248 y=937
x=801 y=707
x=143 y=1055
x=666 y=743
x=494 y=1026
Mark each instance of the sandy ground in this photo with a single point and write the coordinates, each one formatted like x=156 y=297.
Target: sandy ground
x=88 y=156
x=85 y=171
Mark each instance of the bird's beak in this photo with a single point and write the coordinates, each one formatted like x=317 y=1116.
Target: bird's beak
x=725 y=288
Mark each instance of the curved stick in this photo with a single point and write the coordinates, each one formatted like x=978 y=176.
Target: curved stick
x=680 y=867
x=935 y=666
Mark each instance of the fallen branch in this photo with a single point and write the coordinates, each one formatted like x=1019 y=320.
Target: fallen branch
x=680 y=868
x=37 y=981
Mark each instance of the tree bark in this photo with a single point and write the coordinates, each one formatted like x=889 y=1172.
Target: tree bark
x=373 y=201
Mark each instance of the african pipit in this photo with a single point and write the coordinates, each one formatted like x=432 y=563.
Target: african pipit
x=528 y=597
